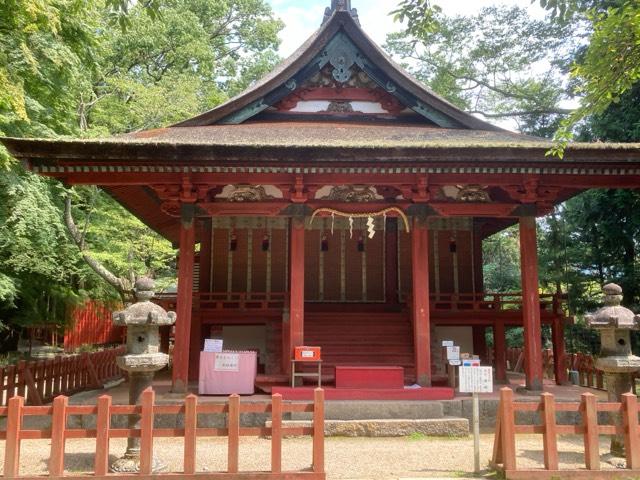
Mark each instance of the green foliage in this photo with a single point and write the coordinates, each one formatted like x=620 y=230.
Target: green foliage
x=120 y=241
x=102 y=67
x=162 y=70
x=494 y=74
x=501 y=255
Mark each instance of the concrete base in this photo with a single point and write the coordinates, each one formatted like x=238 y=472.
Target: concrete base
x=433 y=427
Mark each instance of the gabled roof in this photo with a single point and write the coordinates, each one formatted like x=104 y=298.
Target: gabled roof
x=341 y=43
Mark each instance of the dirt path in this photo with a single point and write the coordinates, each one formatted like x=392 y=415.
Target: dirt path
x=346 y=458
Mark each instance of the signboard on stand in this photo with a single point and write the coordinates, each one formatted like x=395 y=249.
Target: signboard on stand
x=475 y=379
x=453 y=353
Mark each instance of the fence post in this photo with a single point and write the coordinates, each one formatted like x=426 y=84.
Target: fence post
x=233 y=424
x=318 y=430
x=591 y=440
x=550 y=439
x=146 y=431
x=507 y=427
x=276 y=433
x=496 y=459
x=103 y=424
x=58 y=426
x=631 y=430
x=190 y=426
x=93 y=375
x=12 y=446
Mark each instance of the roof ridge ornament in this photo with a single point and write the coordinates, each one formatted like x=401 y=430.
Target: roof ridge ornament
x=340 y=6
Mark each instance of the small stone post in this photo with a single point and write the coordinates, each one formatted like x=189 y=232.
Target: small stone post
x=616 y=360
x=142 y=360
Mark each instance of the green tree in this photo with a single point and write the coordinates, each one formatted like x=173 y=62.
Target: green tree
x=188 y=58
x=492 y=75
x=605 y=70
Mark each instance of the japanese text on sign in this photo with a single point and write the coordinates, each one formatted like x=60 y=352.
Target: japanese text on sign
x=453 y=353
x=227 y=362
x=476 y=379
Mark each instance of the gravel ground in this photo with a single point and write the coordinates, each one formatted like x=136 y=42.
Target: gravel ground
x=346 y=458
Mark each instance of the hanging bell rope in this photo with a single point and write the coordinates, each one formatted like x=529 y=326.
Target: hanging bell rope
x=368 y=215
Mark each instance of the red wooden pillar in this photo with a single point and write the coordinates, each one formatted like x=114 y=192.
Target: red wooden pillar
x=530 y=303
x=479 y=341
x=500 y=352
x=185 y=300
x=420 y=296
x=559 y=354
x=294 y=336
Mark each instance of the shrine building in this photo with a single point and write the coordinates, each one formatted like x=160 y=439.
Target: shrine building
x=340 y=203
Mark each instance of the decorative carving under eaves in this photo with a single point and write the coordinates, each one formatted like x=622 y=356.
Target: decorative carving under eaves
x=352 y=194
x=340 y=107
x=248 y=193
x=326 y=78
x=473 y=194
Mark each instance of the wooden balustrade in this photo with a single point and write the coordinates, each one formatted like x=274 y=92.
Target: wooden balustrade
x=147 y=410
x=241 y=301
x=504 y=450
x=40 y=381
x=492 y=301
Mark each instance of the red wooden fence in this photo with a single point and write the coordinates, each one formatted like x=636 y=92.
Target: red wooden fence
x=16 y=411
x=504 y=450
x=583 y=363
x=92 y=325
x=40 y=381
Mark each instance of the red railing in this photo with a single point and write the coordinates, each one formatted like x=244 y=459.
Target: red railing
x=492 y=301
x=504 y=450
x=40 y=381
x=104 y=432
x=242 y=301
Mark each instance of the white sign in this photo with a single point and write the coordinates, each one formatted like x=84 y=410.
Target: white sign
x=476 y=379
x=453 y=353
x=447 y=343
x=227 y=362
x=455 y=363
x=213 y=345
x=474 y=362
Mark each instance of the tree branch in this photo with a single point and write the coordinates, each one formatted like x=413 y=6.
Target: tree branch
x=116 y=282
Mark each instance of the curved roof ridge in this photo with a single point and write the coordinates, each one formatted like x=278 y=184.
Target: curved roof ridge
x=340 y=20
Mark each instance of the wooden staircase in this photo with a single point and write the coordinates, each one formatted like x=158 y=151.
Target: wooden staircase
x=361 y=338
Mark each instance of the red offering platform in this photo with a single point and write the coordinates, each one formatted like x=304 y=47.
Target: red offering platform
x=330 y=393
x=370 y=377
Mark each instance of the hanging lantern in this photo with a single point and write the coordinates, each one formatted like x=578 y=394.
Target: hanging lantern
x=265 y=243
x=233 y=242
x=361 y=244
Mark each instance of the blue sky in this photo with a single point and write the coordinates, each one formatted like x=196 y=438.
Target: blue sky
x=303 y=17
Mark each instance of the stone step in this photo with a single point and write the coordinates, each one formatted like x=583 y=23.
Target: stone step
x=433 y=427
x=375 y=409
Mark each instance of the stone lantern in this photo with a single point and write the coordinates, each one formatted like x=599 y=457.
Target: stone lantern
x=142 y=360
x=616 y=360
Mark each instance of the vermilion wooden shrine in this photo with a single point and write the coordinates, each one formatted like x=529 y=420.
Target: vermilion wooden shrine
x=340 y=203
